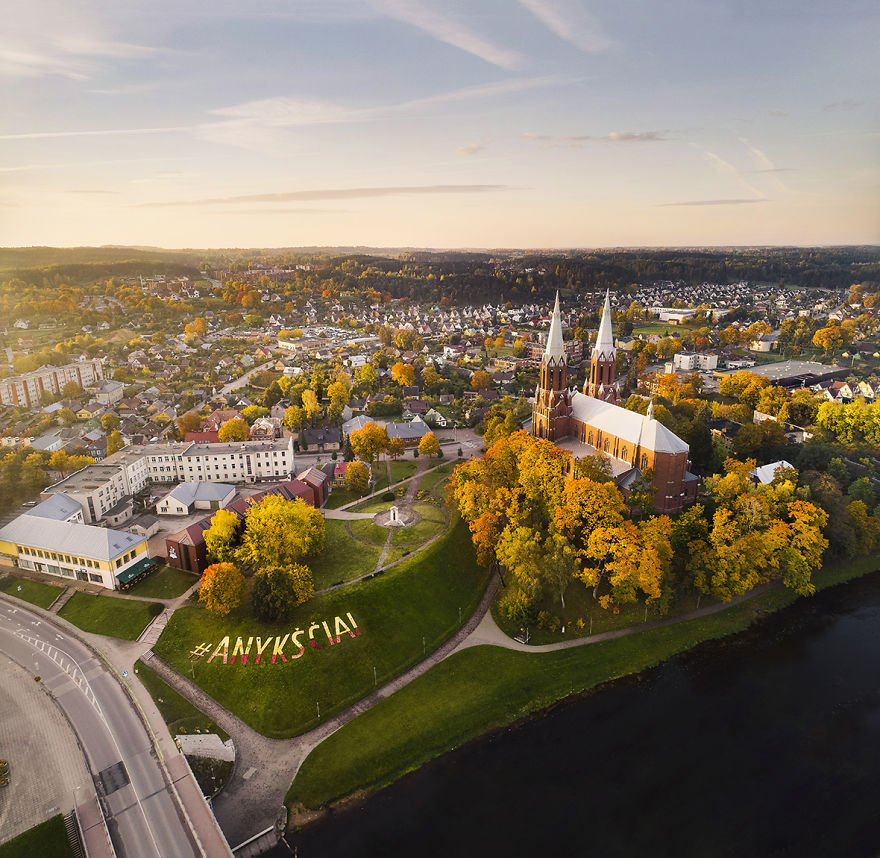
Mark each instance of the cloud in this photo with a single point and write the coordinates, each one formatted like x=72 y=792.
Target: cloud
x=445 y=28
x=568 y=20
x=70 y=56
x=763 y=164
x=99 y=132
x=842 y=105
x=340 y=194
x=470 y=149
x=713 y=203
x=613 y=137
x=729 y=171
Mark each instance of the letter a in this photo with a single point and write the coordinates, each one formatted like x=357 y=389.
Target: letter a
x=224 y=645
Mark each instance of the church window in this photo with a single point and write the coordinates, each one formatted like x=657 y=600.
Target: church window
x=644 y=463
x=623 y=452
x=590 y=439
x=606 y=445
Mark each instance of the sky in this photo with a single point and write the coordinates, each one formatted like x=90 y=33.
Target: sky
x=439 y=123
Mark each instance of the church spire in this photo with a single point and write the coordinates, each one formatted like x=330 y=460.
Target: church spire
x=605 y=339
x=555 y=349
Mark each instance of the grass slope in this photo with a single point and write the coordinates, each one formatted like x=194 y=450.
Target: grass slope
x=418 y=599
x=485 y=687
x=343 y=558
x=166 y=583
x=108 y=615
x=177 y=712
x=35 y=592
x=46 y=840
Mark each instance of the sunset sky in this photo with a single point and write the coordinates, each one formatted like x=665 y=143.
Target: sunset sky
x=440 y=123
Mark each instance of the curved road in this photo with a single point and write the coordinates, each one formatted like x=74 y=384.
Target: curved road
x=142 y=813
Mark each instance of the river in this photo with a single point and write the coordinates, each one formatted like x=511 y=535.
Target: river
x=763 y=744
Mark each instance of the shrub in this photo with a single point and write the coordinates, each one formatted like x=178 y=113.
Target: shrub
x=388 y=496
x=156 y=608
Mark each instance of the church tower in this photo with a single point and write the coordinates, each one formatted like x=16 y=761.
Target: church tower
x=552 y=398
x=602 y=380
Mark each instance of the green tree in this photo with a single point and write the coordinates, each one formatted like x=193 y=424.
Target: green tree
x=277 y=591
x=253 y=413
x=109 y=421
x=66 y=416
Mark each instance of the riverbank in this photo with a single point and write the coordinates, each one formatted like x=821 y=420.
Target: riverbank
x=486 y=688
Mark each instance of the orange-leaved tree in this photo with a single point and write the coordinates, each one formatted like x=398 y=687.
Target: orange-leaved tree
x=221 y=587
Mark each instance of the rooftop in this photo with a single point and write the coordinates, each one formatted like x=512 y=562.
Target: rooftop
x=67 y=537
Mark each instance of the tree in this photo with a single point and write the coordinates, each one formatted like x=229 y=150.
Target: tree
x=369 y=442
x=221 y=538
x=293 y=417
x=114 y=442
x=221 y=588
x=273 y=395
x=429 y=445
x=500 y=426
x=357 y=478
x=235 y=429
x=67 y=416
x=279 y=533
x=310 y=404
x=366 y=380
x=277 y=591
x=60 y=461
x=71 y=390
x=481 y=380
x=395 y=448
x=188 y=422
x=109 y=421
x=403 y=373
x=253 y=413
x=197 y=327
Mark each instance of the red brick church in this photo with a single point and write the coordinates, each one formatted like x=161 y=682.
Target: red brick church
x=591 y=421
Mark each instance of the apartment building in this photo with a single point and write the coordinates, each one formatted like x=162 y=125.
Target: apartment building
x=26 y=390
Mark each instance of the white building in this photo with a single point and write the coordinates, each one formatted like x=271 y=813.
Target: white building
x=189 y=495
x=26 y=389
x=689 y=361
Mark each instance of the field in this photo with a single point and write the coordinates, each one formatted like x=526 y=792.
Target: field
x=108 y=615
x=35 y=592
x=165 y=583
x=419 y=600
x=47 y=839
x=343 y=558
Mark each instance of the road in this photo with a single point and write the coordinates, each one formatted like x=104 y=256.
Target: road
x=142 y=813
x=242 y=380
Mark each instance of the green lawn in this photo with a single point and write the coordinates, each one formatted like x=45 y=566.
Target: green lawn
x=338 y=498
x=373 y=505
x=108 y=615
x=47 y=839
x=402 y=469
x=429 y=481
x=364 y=528
x=422 y=531
x=35 y=592
x=178 y=713
x=485 y=687
x=430 y=511
x=343 y=558
x=165 y=583
x=422 y=597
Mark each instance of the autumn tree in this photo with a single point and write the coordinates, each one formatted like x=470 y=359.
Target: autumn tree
x=500 y=426
x=115 y=442
x=280 y=532
x=369 y=442
x=253 y=413
x=357 y=478
x=481 y=380
x=221 y=588
x=403 y=373
x=109 y=421
x=60 y=461
x=310 y=404
x=366 y=380
x=395 y=448
x=221 y=538
x=188 y=422
x=429 y=445
x=294 y=417
x=235 y=429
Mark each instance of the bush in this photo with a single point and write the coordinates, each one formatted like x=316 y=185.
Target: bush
x=334 y=455
x=460 y=453
x=388 y=496
x=156 y=608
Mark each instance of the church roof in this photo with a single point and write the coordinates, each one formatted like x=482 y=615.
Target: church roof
x=555 y=349
x=626 y=425
x=604 y=347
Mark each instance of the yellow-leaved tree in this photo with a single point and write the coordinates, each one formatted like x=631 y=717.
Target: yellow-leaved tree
x=221 y=587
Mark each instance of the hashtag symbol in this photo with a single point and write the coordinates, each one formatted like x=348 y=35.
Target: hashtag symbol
x=200 y=650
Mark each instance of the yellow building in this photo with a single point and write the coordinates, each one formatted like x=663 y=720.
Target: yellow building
x=111 y=558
